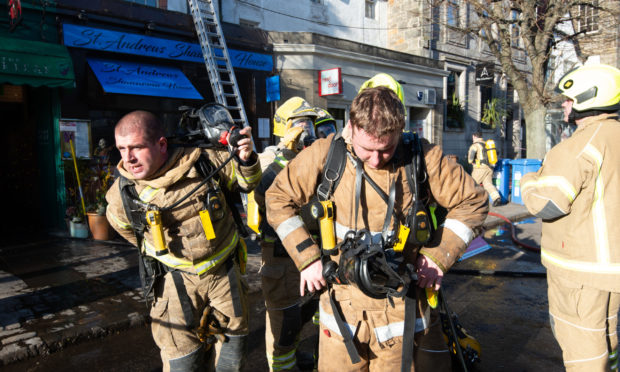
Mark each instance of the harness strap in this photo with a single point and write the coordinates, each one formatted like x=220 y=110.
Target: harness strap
x=344 y=331
x=186 y=305
x=411 y=300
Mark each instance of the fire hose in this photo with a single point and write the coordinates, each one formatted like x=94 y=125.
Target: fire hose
x=513 y=234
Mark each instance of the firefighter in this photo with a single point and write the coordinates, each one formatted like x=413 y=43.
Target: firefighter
x=194 y=271
x=576 y=192
x=285 y=316
x=324 y=124
x=482 y=171
x=362 y=322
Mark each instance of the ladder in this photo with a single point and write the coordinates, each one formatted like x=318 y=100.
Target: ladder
x=217 y=60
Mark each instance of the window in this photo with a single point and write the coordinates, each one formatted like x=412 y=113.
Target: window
x=172 y=5
x=455 y=108
x=370 y=9
x=248 y=23
x=587 y=18
x=452 y=13
x=486 y=94
x=153 y=3
x=515 y=31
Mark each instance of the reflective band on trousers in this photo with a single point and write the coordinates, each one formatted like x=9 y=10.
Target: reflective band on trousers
x=187 y=266
x=282 y=362
x=383 y=333
x=460 y=229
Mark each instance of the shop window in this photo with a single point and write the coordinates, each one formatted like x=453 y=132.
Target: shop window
x=455 y=108
x=587 y=17
x=493 y=110
x=370 y=9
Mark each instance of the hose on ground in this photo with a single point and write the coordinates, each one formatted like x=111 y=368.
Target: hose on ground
x=513 y=234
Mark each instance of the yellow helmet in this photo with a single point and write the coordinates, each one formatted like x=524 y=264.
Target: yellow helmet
x=592 y=87
x=385 y=80
x=293 y=108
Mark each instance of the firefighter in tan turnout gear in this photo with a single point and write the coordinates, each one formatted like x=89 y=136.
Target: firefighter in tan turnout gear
x=190 y=246
x=369 y=316
x=482 y=171
x=577 y=194
x=285 y=316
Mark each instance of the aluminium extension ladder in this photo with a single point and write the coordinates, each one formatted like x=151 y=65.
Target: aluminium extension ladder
x=217 y=59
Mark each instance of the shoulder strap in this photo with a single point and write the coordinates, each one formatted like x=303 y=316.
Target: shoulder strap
x=333 y=169
x=205 y=167
x=416 y=165
x=134 y=208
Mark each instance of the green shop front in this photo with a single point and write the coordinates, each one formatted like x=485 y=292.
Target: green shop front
x=35 y=71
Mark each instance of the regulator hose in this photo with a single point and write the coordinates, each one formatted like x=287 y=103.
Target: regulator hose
x=513 y=235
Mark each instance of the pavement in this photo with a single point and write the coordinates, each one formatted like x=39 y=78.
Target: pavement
x=56 y=291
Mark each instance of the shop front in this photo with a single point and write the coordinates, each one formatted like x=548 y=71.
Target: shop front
x=35 y=72
x=119 y=71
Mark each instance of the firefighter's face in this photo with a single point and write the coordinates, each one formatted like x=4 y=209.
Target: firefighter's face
x=375 y=152
x=141 y=158
x=567 y=105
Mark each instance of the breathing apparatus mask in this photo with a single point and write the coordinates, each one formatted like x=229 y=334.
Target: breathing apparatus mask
x=307 y=137
x=368 y=266
x=207 y=127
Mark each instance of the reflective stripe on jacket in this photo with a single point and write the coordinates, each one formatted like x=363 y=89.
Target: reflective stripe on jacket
x=577 y=194
x=189 y=248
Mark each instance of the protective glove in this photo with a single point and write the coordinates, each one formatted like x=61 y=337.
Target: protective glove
x=291 y=138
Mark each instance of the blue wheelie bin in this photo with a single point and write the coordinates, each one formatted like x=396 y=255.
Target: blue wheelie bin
x=501 y=178
x=519 y=168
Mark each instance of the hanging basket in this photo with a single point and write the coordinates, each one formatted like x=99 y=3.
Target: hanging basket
x=99 y=227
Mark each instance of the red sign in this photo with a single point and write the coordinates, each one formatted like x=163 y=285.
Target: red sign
x=330 y=82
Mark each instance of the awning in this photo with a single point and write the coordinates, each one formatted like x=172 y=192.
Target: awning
x=35 y=63
x=142 y=79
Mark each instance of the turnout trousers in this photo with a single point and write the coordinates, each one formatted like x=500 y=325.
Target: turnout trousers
x=377 y=330
x=584 y=322
x=484 y=176
x=177 y=312
x=284 y=316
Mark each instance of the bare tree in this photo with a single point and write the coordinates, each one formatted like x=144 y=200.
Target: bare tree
x=532 y=28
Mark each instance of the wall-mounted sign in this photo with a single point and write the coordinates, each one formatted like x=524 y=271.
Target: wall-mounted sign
x=272 y=85
x=330 y=82
x=485 y=73
x=142 y=45
x=142 y=79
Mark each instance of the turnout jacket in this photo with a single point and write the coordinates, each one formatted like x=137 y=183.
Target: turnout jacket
x=450 y=185
x=478 y=151
x=189 y=249
x=577 y=194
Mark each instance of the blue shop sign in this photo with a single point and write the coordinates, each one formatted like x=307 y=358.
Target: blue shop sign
x=142 y=79
x=272 y=84
x=122 y=42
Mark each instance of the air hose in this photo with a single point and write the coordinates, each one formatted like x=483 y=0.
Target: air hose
x=513 y=235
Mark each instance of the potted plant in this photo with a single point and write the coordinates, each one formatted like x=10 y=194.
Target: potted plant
x=77 y=223
x=98 y=180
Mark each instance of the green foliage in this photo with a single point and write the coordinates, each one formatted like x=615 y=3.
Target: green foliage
x=493 y=112
x=455 y=116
